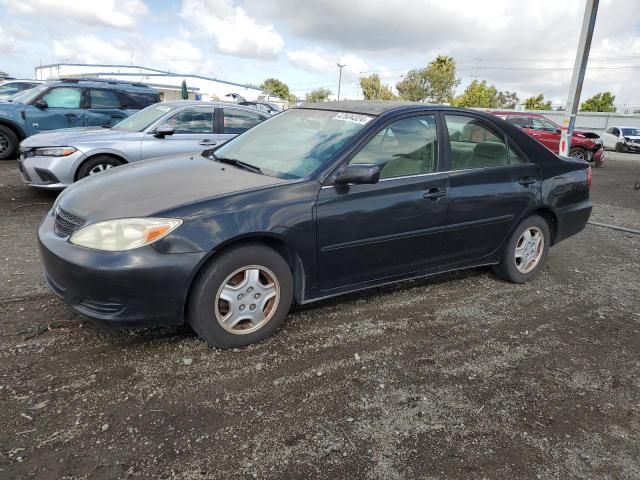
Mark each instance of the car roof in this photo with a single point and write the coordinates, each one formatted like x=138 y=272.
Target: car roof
x=104 y=84
x=623 y=126
x=366 y=107
x=514 y=113
x=205 y=103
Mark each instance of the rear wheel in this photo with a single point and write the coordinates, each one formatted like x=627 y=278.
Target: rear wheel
x=8 y=143
x=578 y=152
x=96 y=165
x=242 y=297
x=526 y=251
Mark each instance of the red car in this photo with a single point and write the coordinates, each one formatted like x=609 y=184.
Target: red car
x=584 y=145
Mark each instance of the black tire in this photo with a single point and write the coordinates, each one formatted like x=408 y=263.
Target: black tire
x=620 y=148
x=201 y=308
x=579 y=152
x=507 y=269
x=95 y=162
x=9 y=143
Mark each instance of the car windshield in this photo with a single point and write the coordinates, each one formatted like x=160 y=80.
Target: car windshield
x=295 y=143
x=631 y=132
x=27 y=96
x=142 y=119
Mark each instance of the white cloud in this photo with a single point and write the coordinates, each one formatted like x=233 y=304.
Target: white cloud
x=91 y=49
x=110 y=13
x=320 y=61
x=234 y=32
x=7 y=41
x=179 y=55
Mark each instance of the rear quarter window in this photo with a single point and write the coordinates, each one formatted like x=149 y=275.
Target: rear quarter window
x=141 y=99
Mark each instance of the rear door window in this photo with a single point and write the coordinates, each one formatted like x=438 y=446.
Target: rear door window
x=63 y=97
x=238 y=121
x=474 y=143
x=103 y=99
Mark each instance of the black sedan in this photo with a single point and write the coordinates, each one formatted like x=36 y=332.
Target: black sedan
x=315 y=202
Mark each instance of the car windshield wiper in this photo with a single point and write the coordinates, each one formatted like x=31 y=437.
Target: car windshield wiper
x=237 y=163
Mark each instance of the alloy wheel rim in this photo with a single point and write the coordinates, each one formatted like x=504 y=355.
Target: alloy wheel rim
x=529 y=249
x=578 y=154
x=100 y=168
x=247 y=300
x=4 y=143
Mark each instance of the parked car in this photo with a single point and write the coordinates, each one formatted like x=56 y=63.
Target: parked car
x=8 y=88
x=56 y=159
x=584 y=145
x=314 y=202
x=269 y=108
x=622 y=139
x=69 y=103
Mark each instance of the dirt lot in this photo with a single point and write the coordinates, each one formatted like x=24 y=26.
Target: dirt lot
x=458 y=376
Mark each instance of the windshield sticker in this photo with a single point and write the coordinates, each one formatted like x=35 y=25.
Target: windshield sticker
x=352 y=117
x=164 y=109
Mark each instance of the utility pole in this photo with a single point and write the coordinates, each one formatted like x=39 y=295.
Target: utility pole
x=340 y=78
x=579 y=69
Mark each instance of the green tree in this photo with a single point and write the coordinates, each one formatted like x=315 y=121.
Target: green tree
x=600 y=102
x=537 y=103
x=413 y=86
x=440 y=76
x=276 y=87
x=435 y=83
x=478 y=94
x=372 y=88
x=507 y=100
x=318 y=95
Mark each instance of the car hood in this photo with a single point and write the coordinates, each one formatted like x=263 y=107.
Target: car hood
x=144 y=188
x=6 y=106
x=632 y=137
x=590 y=135
x=70 y=136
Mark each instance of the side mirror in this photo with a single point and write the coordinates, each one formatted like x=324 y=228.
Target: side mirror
x=164 y=130
x=359 y=173
x=41 y=104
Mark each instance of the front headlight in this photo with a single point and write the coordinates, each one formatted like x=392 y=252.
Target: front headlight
x=54 y=151
x=124 y=233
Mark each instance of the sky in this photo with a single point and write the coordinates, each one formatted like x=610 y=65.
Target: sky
x=522 y=46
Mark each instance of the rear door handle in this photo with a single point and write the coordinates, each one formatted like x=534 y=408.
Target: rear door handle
x=434 y=194
x=526 y=181
x=208 y=142
x=71 y=115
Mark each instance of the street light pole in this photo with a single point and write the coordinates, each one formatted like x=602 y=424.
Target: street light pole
x=579 y=69
x=340 y=78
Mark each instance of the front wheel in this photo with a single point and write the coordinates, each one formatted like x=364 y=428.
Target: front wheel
x=242 y=297
x=578 y=152
x=8 y=143
x=526 y=251
x=96 y=165
x=620 y=148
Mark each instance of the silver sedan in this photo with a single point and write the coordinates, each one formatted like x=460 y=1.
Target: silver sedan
x=54 y=160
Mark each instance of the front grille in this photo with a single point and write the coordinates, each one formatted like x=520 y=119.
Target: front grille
x=24 y=172
x=67 y=223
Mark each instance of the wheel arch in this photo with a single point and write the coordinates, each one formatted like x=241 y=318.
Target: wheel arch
x=120 y=158
x=272 y=241
x=551 y=219
x=14 y=128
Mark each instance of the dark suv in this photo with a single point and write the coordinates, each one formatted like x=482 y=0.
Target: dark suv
x=67 y=103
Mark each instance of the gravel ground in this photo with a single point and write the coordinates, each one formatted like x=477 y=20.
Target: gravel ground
x=457 y=376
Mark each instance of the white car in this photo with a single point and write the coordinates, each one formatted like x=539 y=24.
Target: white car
x=9 y=88
x=622 y=139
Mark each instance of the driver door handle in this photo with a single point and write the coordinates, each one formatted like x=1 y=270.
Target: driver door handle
x=71 y=115
x=434 y=194
x=526 y=181
x=208 y=142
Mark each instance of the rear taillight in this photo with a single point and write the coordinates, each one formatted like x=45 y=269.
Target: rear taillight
x=589 y=177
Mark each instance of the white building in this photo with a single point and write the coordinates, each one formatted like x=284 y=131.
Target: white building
x=168 y=84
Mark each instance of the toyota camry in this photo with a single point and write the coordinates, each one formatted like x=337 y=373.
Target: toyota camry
x=315 y=202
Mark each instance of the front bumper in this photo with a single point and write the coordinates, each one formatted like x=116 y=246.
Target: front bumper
x=136 y=287
x=52 y=173
x=632 y=146
x=598 y=156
